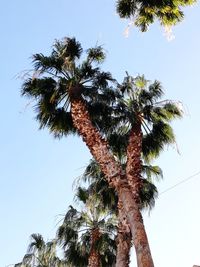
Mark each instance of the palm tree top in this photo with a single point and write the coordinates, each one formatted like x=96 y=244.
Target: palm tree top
x=140 y=103
x=75 y=234
x=143 y=13
x=65 y=75
x=41 y=254
x=140 y=94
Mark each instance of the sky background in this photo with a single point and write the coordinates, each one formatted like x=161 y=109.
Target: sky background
x=37 y=171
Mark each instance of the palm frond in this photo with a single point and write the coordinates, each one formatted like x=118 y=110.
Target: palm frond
x=143 y=13
x=82 y=194
x=126 y=8
x=58 y=77
x=148 y=194
x=151 y=172
x=67 y=48
x=27 y=259
x=102 y=80
x=96 y=54
x=77 y=254
x=37 y=243
x=51 y=63
x=153 y=143
x=67 y=234
x=156 y=90
x=38 y=87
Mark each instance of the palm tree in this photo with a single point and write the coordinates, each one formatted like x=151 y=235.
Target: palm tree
x=88 y=236
x=143 y=127
x=76 y=97
x=144 y=13
x=41 y=254
x=63 y=89
x=145 y=130
x=99 y=187
x=142 y=131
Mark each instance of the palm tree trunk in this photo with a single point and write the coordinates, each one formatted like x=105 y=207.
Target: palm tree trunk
x=113 y=172
x=133 y=172
x=139 y=237
x=123 y=239
x=94 y=257
x=94 y=141
x=133 y=166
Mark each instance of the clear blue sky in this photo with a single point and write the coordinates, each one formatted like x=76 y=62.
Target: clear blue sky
x=37 y=171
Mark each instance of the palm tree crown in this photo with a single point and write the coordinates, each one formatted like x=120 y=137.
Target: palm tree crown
x=144 y=13
x=140 y=103
x=91 y=229
x=61 y=77
x=41 y=254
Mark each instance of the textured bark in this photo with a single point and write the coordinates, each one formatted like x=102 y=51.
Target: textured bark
x=133 y=166
x=139 y=237
x=133 y=172
x=96 y=144
x=94 y=257
x=113 y=173
x=123 y=239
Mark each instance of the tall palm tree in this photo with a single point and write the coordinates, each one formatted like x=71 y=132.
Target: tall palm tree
x=145 y=131
x=142 y=131
x=70 y=96
x=63 y=88
x=144 y=13
x=88 y=236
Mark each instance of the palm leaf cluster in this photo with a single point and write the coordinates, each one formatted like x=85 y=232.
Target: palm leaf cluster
x=74 y=237
x=63 y=76
x=41 y=254
x=75 y=234
x=114 y=110
x=140 y=101
x=98 y=186
x=145 y=12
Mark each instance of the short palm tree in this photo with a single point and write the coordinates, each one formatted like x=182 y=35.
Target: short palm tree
x=88 y=236
x=144 y=13
x=41 y=254
x=99 y=187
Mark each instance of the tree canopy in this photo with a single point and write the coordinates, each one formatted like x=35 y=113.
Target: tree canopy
x=145 y=12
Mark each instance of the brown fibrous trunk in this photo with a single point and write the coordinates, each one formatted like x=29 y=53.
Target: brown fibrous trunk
x=139 y=237
x=133 y=173
x=96 y=144
x=94 y=256
x=133 y=165
x=123 y=239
